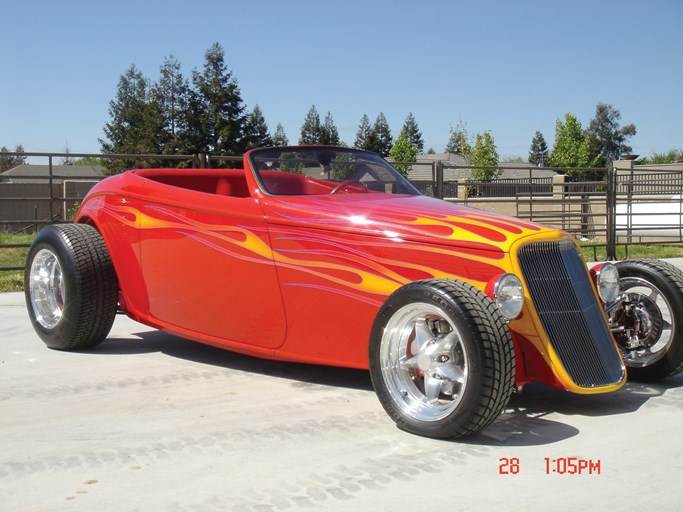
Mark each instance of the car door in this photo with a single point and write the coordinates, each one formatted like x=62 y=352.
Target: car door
x=208 y=267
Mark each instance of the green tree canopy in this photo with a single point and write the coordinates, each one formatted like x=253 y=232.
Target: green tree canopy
x=459 y=143
x=380 y=139
x=256 y=130
x=328 y=132
x=608 y=139
x=538 y=152
x=8 y=162
x=136 y=122
x=280 y=137
x=572 y=146
x=413 y=133
x=484 y=153
x=363 y=134
x=403 y=151
x=171 y=93
x=221 y=116
x=311 y=128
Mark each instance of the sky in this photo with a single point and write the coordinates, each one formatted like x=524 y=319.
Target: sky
x=511 y=67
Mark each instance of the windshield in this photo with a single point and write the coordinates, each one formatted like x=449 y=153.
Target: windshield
x=315 y=170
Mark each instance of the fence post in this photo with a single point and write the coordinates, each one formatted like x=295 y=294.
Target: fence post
x=50 y=176
x=439 y=179
x=611 y=207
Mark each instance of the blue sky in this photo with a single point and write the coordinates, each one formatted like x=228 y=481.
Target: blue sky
x=511 y=67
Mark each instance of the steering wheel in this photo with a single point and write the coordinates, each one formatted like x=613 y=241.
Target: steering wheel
x=346 y=183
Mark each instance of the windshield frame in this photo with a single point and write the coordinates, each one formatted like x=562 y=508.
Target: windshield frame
x=330 y=159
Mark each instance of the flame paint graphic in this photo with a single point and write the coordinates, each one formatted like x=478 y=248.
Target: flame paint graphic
x=360 y=268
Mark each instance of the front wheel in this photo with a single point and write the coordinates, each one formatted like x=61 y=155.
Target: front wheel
x=71 y=287
x=441 y=359
x=646 y=318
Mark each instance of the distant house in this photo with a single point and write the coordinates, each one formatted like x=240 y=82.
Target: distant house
x=26 y=198
x=41 y=173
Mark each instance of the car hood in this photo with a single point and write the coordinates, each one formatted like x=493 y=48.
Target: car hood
x=401 y=217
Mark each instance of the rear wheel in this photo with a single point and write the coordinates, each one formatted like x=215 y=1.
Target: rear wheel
x=71 y=287
x=646 y=318
x=441 y=359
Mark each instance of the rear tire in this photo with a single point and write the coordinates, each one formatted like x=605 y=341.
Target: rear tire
x=70 y=286
x=442 y=360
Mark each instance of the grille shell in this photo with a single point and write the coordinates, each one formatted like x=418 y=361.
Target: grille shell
x=563 y=296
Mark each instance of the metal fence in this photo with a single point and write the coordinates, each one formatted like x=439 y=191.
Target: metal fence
x=613 y=207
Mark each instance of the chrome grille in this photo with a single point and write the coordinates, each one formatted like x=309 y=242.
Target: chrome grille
x=562 y=294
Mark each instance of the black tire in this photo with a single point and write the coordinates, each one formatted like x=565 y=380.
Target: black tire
x=70 y=286
x=443 y=334
x=653 y=348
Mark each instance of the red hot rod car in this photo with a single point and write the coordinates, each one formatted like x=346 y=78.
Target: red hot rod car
x=328 y=255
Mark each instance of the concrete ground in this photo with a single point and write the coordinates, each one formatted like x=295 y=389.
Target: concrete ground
x=151 y=422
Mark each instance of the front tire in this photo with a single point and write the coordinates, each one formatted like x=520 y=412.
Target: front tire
x=647 y=318
x=70 y=286
x=441 y=359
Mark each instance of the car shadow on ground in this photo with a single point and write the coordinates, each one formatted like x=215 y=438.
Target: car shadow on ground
x=525 y=421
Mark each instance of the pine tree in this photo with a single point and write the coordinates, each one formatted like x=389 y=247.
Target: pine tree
x=221 y=122
x=328 y=132
x=380 y=139
x=280 y=137
x=11 y=161
x=256 y=130
x=311 y=129
x=363 y=133
x=413 y=133
x=538 y=153
x=135 y=122
x=171 y=92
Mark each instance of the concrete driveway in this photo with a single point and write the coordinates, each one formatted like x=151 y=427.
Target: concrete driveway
x=151 y=422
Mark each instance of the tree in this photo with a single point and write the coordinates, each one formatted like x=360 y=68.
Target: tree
x=68 y=159
x=8 y=162
x=280 y=137
x=171 y=92
x=670 y=157
x=311 y=129
x=363 y=133
x=572 y=147
x=403 y=150
x=413 y=133
x=485 y=154
x=538 y=153
x=608 y=139
x=256 y=130
x=221 y=120
x=135 y=122
x=380 y=139
x=328 y=132
x=459 y=143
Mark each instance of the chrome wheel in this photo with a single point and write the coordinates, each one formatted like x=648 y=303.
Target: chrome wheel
x=643 y=322
x=46 y=288
x=423 y=361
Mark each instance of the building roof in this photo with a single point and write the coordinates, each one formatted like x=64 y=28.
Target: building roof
x=422 y=171
x=29 y=173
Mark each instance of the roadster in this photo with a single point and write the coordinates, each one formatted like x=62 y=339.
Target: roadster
x=328 y=255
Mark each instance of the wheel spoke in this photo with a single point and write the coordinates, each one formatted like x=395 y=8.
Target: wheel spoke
x=422 y=333
x=451 y=373
x=432 y=388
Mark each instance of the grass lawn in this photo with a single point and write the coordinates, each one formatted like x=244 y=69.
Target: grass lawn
x=13 y=280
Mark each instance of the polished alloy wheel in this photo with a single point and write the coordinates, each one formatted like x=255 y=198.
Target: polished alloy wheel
x=47 y=292
x=424 y=362
x=645 y=319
